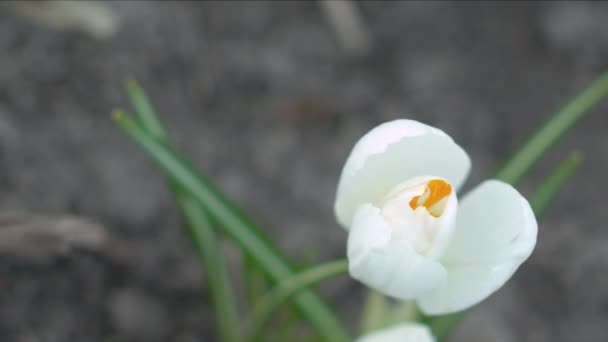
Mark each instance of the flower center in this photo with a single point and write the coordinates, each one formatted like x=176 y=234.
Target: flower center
x=433 y=198
x=428 y=221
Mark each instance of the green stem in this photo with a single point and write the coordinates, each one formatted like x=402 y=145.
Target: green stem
x=273 y=299
x=373 y=311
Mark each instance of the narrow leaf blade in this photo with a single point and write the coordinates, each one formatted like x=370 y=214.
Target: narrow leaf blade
x=555 y=127
x=204 y=239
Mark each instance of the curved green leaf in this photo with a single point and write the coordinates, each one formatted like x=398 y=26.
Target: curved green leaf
x=288 y=287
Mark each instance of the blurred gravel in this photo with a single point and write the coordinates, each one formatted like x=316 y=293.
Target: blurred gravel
x=259 y=95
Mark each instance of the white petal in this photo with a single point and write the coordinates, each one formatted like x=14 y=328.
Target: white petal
x=494 y=223
x=390 y=266
x=392 y=153
x=406 y=332
x=495 y=233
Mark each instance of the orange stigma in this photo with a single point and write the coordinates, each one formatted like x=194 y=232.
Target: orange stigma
x=433 y=197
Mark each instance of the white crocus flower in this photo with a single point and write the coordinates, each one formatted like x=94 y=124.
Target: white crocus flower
x=406 y=332
x=410 y=238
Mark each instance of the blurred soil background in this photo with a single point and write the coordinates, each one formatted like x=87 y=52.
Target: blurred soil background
x=261 y=95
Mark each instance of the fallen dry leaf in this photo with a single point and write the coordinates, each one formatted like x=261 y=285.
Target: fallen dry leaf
x=41 y=237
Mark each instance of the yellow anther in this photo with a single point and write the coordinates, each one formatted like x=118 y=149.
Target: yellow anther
x=432 y=197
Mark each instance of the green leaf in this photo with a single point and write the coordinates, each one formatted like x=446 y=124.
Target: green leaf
x=255 y=281
x=208 y=248
x=236 y=225
x=204 y=239
x=145 y=111
x=288 y=287
x=289 y=323
x=549 y=133
x=548 y=190
x=539 y=201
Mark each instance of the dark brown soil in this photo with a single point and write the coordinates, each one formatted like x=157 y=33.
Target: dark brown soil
x=263 y=99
